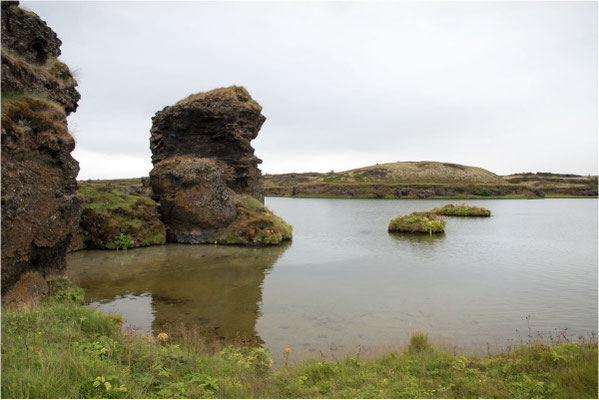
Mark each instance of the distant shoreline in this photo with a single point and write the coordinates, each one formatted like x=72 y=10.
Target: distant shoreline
x=550 y=197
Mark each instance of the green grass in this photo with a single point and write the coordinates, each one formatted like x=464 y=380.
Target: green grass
x=62 y=349
x=108 y=197
x=119 y=183
x=462 y=210
x=118 y=220
x=417 y=222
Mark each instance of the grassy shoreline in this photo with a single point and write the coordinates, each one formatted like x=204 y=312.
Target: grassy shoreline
x=472 y=197
x=60 y=348
x=506 y=197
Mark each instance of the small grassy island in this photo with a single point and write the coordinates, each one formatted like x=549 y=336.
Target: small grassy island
x=462 y=210
x=418 y=222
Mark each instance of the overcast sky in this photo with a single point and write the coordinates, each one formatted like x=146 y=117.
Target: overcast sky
x=507 y=86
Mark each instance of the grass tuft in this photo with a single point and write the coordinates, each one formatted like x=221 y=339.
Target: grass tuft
x=462 y=210
x=418 y=222
x=418 y=343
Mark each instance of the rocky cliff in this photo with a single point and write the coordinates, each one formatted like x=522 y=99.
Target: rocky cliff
x=40 y=210
x=205 y=174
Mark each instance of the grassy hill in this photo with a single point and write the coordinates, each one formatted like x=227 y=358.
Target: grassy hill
x=419 y=172
x=410 y=179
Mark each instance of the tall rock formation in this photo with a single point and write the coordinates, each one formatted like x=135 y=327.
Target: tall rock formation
x=205 y=174
x=40 y=209
x=217 y=125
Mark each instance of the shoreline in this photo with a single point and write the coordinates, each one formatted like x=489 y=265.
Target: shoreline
x=61 y=348
x=507 y=197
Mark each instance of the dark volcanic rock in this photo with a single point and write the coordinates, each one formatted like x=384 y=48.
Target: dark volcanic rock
x=24 y=33
x=29 y=58
x=40 y=209
x=205 y=174
x=218 y=125
x=195 y=201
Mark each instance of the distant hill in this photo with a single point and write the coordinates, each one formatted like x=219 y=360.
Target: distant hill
x=556 y=184
x=415 y=179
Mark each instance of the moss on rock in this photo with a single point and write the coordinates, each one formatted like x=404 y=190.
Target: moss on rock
x=255 y=225
x=418 y=222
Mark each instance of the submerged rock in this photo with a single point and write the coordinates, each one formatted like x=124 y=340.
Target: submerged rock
x=217 y=125
x=40 y=209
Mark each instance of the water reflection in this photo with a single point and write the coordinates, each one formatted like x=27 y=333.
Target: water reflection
x=416 y=239
x=217 y=289
x=345 y=282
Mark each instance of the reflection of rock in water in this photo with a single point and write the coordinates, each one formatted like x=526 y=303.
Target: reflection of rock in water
x=216 y=289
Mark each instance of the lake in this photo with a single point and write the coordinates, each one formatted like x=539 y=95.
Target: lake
x=345 y=282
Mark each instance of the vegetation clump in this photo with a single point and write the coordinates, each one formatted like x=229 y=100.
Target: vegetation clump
x=41 y=115
x=62 y=349
x=254 y=225
x=418 y=222
x=462 y=210
x=112 y=218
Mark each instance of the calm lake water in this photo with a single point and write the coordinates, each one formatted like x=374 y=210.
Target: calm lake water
x=346 y=282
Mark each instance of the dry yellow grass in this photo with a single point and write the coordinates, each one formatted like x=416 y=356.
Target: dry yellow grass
x=235 y=93
x=419 y=172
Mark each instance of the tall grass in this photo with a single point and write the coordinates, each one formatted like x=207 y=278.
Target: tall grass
x=59 y=348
